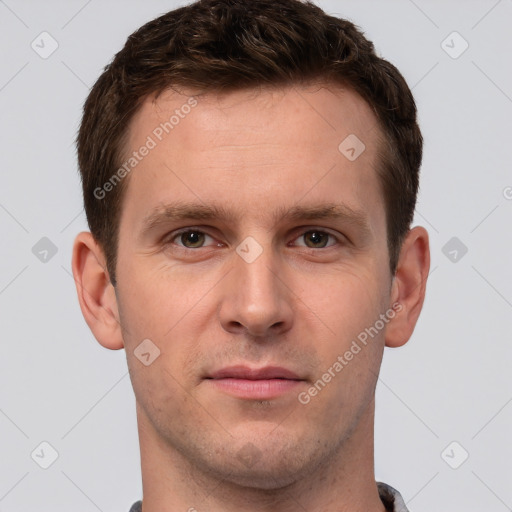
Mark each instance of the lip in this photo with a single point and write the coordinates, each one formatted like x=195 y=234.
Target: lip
x=255 y=383
x=244 y=372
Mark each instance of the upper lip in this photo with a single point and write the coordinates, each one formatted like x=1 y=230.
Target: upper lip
x=244 y=372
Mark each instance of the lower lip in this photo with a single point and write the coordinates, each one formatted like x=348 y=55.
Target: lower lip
x=263 y=389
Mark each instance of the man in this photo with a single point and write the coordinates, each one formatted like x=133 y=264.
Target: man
x=250 y=172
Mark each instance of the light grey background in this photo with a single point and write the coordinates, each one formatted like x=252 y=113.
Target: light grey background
x=451 y=382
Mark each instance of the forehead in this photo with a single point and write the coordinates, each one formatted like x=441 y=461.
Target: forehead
x=253 y=145
x=322 y=106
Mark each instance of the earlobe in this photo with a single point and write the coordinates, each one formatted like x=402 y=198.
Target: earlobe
x=96 y=294
x=409 y=286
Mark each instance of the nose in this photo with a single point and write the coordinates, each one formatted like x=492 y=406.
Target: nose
x=255 y=298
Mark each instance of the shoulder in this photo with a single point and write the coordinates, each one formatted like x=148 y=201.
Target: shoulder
x=391 y=498
x=136 y=507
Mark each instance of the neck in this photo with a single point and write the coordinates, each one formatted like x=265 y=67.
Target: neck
x=344 y=483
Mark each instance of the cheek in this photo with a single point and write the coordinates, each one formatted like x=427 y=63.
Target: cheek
x=348 y=301
x=350 y=354
x=161 y=306
x=156 y=302
x=352 y=347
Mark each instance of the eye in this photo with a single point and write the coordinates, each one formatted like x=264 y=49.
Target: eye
x=317 y=238
x=196 y=239
x=190 y=238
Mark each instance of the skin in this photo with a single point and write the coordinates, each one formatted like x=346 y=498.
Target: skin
x=299 y=305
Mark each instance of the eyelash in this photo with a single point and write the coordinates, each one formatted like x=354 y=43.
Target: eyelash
x=173 y=236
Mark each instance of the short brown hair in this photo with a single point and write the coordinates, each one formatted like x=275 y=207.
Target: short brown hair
x=225 y=45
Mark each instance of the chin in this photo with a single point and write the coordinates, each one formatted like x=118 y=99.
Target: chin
x=267 y=463
x=267 y=475
x=259 y=480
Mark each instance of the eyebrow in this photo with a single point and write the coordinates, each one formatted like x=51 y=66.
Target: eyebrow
x=178 y=211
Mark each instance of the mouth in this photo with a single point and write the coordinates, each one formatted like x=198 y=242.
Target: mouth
x=255 y=383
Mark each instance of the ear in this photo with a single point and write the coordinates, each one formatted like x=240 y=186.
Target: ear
x=96 y=294
x=408 y=287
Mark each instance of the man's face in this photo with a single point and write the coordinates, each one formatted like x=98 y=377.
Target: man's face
x=272 y=282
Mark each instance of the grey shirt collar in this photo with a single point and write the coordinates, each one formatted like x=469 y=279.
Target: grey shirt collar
x=391 y=498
